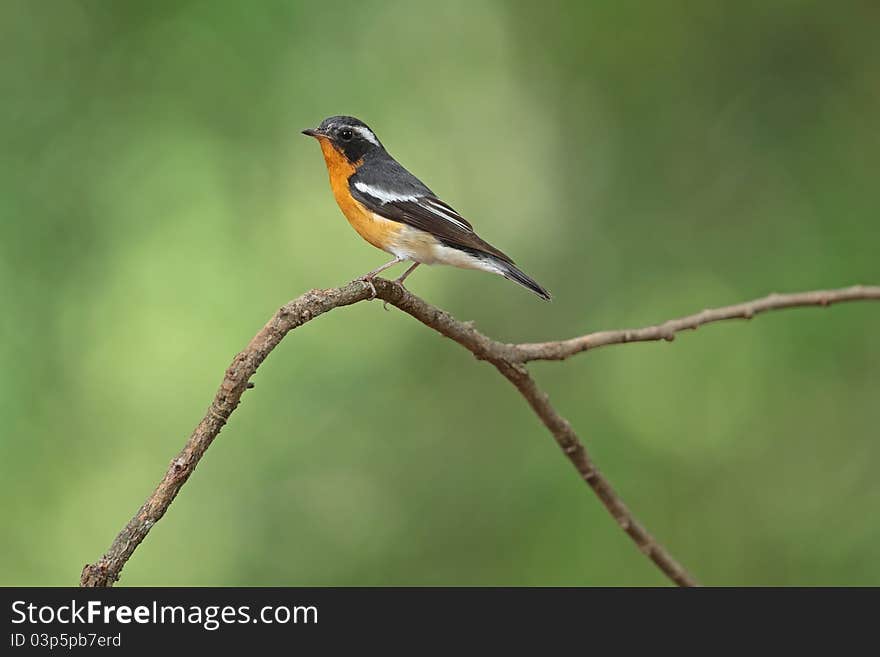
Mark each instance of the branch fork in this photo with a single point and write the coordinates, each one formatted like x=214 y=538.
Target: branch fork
x=510 y=361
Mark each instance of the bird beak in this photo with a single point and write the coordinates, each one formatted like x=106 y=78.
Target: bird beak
x=313 y=133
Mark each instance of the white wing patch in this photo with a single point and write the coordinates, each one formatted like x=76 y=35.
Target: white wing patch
x=432 y=205
x=383 y=194
x=441 y=211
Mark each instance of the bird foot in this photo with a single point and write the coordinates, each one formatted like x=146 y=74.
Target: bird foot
x=369 y=281
x=396 y=281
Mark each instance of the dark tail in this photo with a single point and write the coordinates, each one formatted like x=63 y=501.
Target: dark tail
x=512 y=273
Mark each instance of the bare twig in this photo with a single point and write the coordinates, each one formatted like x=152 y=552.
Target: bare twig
x=563 y=349
x=508 y=359
x=505 y=359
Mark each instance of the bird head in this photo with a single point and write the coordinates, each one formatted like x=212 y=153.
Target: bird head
x=348 y=135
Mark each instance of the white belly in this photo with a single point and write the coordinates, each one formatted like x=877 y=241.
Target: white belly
x=419 y=246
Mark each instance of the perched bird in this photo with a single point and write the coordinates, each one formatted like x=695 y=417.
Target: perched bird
x=396 y=212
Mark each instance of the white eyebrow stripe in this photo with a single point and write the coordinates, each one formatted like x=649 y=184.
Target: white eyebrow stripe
x=431 y=205
x=443 y=212
x=383 y=195
x=366 y=133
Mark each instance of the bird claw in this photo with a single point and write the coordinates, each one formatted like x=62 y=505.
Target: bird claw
x=369 y=281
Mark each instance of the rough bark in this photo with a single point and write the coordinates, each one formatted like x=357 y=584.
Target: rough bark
x=508 y=359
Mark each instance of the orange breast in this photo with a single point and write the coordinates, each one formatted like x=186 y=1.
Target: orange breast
x=379 y=232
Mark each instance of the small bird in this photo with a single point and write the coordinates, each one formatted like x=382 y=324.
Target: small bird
x=396 y=212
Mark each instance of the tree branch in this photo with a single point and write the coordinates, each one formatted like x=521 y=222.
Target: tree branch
x=509 y=359
x=563 y=349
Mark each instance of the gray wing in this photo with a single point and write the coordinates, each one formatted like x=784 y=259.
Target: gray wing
x=391 y=191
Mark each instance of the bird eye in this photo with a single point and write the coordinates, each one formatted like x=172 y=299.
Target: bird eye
x=345 y=134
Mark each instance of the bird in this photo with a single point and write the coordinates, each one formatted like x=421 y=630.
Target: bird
x=396 y=212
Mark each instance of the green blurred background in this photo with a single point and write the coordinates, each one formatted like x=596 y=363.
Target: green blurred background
x=641 y=160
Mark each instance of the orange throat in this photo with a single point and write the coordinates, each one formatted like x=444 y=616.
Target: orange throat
x=379 y=232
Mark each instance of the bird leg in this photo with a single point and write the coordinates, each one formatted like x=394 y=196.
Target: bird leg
x=403 y=276
x=400 y=280
x=368 y=278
